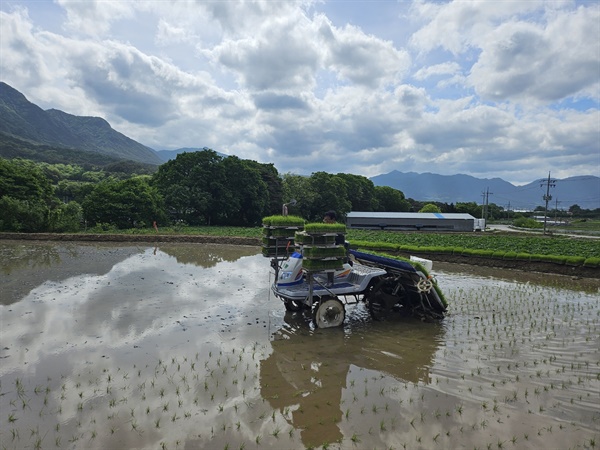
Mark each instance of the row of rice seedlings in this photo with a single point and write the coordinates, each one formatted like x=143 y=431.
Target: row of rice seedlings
x=504 y=379
x=517 y=367
x=213 y=399
x=523 y=345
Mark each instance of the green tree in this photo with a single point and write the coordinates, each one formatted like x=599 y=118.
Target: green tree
x=28 y=216
x=125 y=204
x=430 y=208
x=68 y=190
x=390 y=200
x=26 y=196
x=244 y=199
x=66 y=217
x=330 y=194
x=468 y=208
x=360 y=191
x=204 y=188
x=192 y=185
x=274 y=183
x=494 y=211
x=24 y=180
x=299 y=188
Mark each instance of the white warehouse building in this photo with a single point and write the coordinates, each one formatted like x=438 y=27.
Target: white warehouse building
x=405 y=221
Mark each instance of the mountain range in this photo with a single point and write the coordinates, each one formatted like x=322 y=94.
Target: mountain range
x=26 y=121
x=28 y=131
x=580 y=190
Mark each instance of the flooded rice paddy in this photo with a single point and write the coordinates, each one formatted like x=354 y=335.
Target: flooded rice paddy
x=185 y=347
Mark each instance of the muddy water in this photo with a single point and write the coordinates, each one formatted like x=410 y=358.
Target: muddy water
x=184 y=346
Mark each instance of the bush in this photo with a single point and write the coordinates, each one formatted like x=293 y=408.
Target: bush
x=66 y=218
x=523 y=222
x=103 y=228
x=28 y=216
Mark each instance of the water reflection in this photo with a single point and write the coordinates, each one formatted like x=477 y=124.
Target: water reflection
x=25 y=266
x=308 y=371
x=209 y=257
x=142 y=295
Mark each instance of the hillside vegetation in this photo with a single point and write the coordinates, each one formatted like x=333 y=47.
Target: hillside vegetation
x=26 y=121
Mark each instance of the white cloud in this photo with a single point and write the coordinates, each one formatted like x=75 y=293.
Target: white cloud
x=487 y=88
x=361 y=59
x=446 y=68
x=542 y=63
x=458 y=25
x=94 y=17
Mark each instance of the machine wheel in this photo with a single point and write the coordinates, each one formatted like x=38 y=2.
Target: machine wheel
x=378 y=308
x=329 y=313
x=424 y=285
x=382 y=298
x=293 y=305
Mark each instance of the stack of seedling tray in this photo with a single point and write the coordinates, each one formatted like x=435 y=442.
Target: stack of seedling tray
x=278 y=234
x=319 y=250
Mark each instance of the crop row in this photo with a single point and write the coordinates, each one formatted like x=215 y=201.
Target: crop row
x=532 y=245
x=479 y=253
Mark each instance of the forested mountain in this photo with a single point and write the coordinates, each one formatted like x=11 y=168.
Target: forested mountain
x=28 y=122
x=582 y=190
x=12 y=147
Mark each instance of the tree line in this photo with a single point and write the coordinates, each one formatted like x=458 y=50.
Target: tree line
x=196 y=188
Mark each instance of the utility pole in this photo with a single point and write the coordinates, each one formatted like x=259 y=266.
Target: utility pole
x=484 y=206
x=548 y=183
x=556 y=212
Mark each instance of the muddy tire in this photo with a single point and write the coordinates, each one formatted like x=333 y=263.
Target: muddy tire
x=293 y=305
x=329 y=313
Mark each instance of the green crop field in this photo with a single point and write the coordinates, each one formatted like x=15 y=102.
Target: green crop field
x=526 y=243
x=543 y=245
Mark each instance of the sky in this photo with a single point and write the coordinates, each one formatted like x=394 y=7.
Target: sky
x=505 y=88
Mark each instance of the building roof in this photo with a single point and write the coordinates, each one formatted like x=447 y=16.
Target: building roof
x=408 y=215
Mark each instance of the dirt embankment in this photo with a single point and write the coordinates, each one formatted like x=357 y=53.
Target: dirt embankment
x=525 y=266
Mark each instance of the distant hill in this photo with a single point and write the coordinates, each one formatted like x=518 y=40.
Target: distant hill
x=26 y=121
x=581 y=190
x=12 y=147
x=168 y=155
